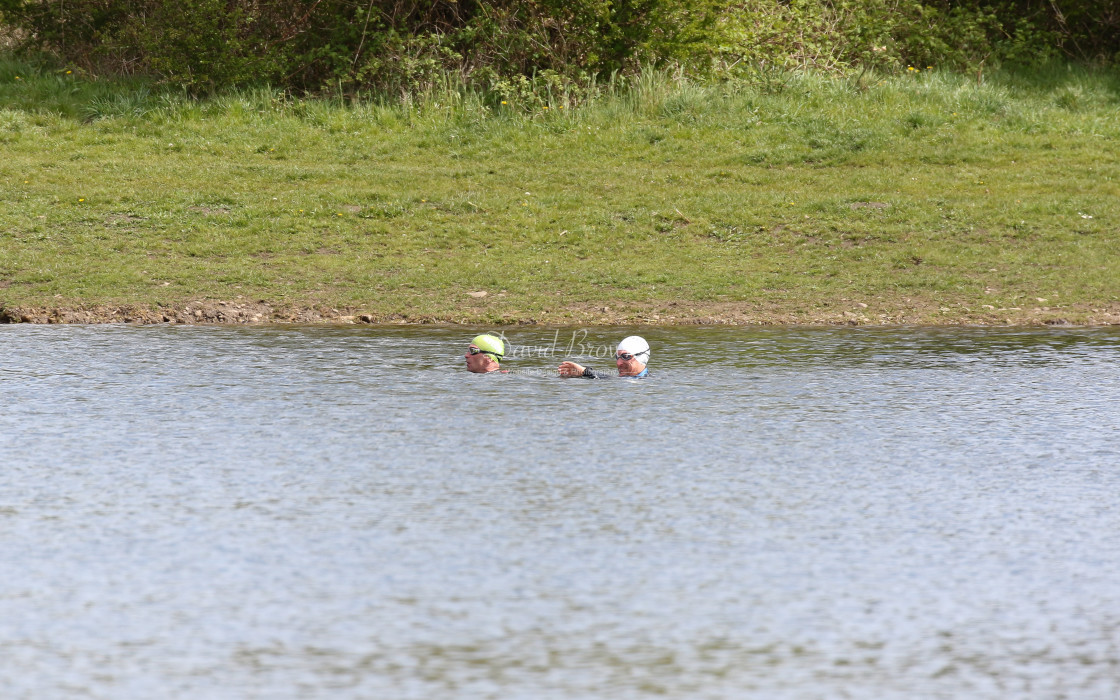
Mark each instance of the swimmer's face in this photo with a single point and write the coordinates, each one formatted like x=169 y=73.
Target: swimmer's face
x=628 y=365
x=477 y=362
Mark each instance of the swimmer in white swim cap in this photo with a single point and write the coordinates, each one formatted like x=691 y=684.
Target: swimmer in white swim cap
x=631 y=358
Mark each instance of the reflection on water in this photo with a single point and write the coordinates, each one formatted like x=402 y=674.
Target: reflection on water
x=293 y=513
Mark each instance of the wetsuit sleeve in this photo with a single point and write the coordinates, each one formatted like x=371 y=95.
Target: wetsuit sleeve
x=592 y=374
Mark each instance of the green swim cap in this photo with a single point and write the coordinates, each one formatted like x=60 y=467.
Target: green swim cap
x=491 y=345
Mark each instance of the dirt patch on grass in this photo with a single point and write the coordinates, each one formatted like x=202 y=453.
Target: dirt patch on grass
x=841 y=312
x=868 y=205
x=123 y=219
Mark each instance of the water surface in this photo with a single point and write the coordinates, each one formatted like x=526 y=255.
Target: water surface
x=303 y=513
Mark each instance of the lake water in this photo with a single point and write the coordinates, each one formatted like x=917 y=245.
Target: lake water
x=195 y=512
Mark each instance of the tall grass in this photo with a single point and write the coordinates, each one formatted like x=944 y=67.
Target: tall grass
x=42 y=87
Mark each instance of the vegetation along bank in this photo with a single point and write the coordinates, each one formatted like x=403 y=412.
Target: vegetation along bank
x=918 y=198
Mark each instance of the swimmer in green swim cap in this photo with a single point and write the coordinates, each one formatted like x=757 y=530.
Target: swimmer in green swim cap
x=485 y=353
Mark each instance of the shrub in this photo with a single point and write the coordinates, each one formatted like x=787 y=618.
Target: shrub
x=387 y=45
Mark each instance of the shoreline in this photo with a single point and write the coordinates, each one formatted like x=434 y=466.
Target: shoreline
x=250 y=313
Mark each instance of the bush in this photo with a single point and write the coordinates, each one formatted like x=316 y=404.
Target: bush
x=389 y=46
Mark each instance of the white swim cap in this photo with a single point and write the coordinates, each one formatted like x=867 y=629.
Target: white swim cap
x=637 y=346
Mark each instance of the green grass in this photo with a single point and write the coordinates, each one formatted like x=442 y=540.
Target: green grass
x=928 y=197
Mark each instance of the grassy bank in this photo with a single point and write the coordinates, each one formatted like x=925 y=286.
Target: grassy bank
x=921 y=198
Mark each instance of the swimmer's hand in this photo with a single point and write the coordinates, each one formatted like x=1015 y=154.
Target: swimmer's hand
x=570 y=369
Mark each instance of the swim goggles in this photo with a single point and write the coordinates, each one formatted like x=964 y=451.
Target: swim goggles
x=627 y=356
x=475 y=351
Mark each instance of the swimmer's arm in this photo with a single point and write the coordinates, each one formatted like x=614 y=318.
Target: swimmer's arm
x=572 y=369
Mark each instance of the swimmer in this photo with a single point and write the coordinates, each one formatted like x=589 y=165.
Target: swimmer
x=484 y=354
x=631 y=358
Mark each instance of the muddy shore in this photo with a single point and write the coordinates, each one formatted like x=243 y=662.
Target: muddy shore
x=842 y=313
